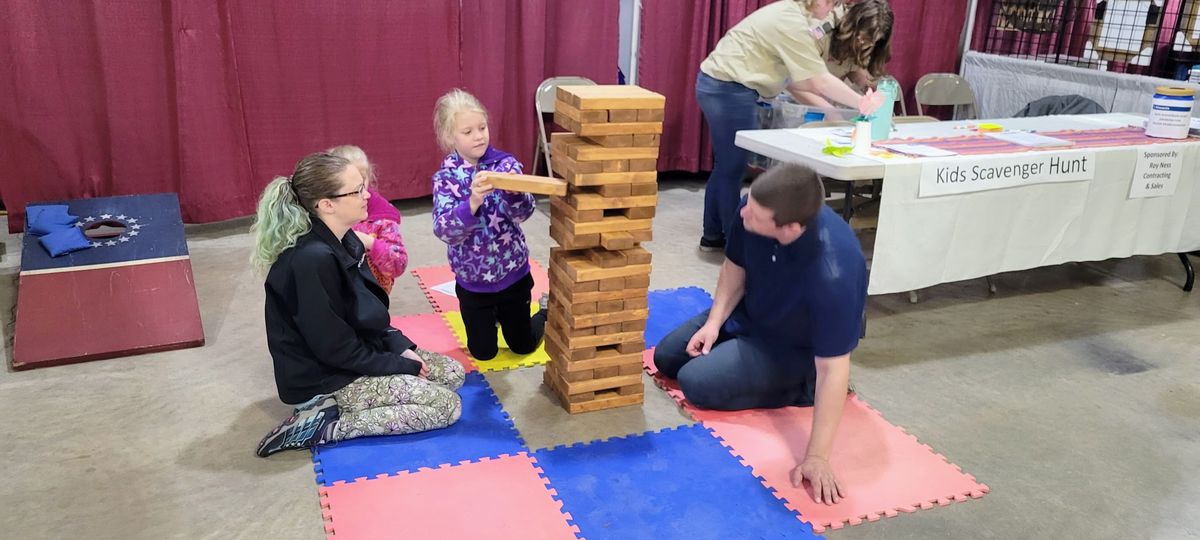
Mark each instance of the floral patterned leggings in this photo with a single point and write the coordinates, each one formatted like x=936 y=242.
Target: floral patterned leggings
x=399 y=404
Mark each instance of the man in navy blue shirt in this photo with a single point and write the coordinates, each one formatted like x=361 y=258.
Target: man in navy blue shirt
x=787 y=313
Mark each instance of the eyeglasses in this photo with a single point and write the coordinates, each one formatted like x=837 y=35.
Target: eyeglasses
x=362 y=189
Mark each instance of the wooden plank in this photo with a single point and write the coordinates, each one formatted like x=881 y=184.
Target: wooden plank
x=576 y=342
x=643 y=190
x=619 y=190
x=554 y=342
x=645 y=235
x=616 y=240
x=643 y=165
x=636 y=303
x=641 y=212
x=612 y=284
x=630 y=347
x=564 y=166
x=610 y=328
x=597 y=201
x=606 y=383
x=569 y=211
x=608 y=224
x=615 y=165
x=611 y=128
x=624 y=115
x=633 y=326
x=590 y=117
x=524 y=183
x=647 y=140
x=601 y=359
x=603 y=178
x=605 y=400
x=650 y=115
x=631 y=390
x=602 y=320
x=637 y=282
x=601 y=153
x=607 y=372
x=585 y=270
x=618 y=141
x=606 y=259
x=610 y=96
x=637 y=255
x=566 y=237
x=611 y=306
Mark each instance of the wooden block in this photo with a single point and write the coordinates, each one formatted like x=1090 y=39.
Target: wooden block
x=630 y=347
x=610 y=306
x=631 y=390
x=619 y=190
x=571 y=290
x=637 y=255
x=565 y=166
x=615 y=165
x=597 y=201
x=583 y=117
x=599 y=359
x=610 y=96
x=643 y=190
x=650 y=115
x=605 y=400
x=584 y=308
x=584 y=375
x=637 y=282
x=608 y=224
x=601 y=153
x=634 y=128
x=633 y=326
x=641 y=212
x=606 y=372
x=618 y=141
x=617 y=240
x=573 y=342
x=525 y=183
x=635 y=303
x=640 y=165
x=561 y=209
x=603 y=178
x=643 y=235
x=584 y=270
x=592 y=385
x=614 y=284
x=562 y=233
x=624 y=115
x=629 y=369
x=555 y=341
x=647 y=140
x=607 y=259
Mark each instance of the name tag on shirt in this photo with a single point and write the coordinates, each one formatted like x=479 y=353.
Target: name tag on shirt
x=820 y=30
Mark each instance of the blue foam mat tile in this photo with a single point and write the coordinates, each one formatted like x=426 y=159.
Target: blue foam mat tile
x=484 y=431
x=669 y=308
x=677 y=483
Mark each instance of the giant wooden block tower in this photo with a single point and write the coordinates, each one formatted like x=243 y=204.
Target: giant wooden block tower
x=600 y=274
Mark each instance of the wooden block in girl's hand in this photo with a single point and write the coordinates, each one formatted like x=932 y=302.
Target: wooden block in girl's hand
x=525 y=183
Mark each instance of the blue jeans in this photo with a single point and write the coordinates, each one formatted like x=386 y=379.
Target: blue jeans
x=738 y=373
x=727 y=107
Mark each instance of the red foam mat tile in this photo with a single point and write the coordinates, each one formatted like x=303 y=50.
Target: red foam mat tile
x=429 y=332
x=884 y=469
x=506 y=497
x=432 y=276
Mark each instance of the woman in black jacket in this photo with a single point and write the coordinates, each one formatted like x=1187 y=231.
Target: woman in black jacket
x=328 y=330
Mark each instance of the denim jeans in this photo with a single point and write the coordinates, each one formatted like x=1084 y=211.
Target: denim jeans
x=738 y=373
x=727 y=107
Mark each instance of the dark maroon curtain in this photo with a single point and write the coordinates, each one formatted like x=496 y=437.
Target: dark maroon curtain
x=678 y=34
x=213 y=99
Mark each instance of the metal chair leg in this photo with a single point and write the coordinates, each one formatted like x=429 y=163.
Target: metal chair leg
x=990 y=284
x=1191 y=272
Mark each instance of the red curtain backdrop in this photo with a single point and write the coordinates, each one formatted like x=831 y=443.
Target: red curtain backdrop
x=212 y=100
x=678 y=34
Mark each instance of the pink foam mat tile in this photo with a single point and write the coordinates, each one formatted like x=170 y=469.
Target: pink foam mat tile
x=507 y=497
x=429 y=332
x=883 y=469
x=671 y=387
x=431 y=277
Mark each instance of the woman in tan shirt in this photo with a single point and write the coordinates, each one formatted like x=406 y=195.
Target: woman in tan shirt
x=811 y=43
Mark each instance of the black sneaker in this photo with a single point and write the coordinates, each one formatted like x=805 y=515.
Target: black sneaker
x=306 y=428
x=708 y=244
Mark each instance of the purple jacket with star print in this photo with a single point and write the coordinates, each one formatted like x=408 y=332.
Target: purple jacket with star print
x=487 y=249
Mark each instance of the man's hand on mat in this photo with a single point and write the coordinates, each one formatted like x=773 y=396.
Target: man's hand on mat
x=702 y=341
x=412 y=355
x=819 y=473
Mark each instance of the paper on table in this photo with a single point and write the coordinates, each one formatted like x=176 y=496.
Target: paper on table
x=446 y=288
x=919 y=150
x=1029 y=139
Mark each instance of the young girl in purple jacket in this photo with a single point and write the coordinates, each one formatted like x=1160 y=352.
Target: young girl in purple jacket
x=481 y=227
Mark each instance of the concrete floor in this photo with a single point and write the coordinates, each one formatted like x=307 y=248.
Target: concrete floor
x=1074 y=394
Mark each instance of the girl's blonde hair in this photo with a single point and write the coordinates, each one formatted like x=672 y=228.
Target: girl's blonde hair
x=449 y=105
x=355 y=155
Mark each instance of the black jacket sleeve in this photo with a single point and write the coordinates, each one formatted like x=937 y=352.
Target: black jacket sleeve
x=332 y=339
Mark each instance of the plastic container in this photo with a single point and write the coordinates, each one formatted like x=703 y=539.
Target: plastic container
x=1171 y=112
x=881 y=123
x=1194 y=75
x=784 y=113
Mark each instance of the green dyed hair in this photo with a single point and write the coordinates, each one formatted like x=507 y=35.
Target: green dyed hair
x=285 y=210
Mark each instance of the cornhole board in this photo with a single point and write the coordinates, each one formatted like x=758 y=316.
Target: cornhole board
x=132 y=293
